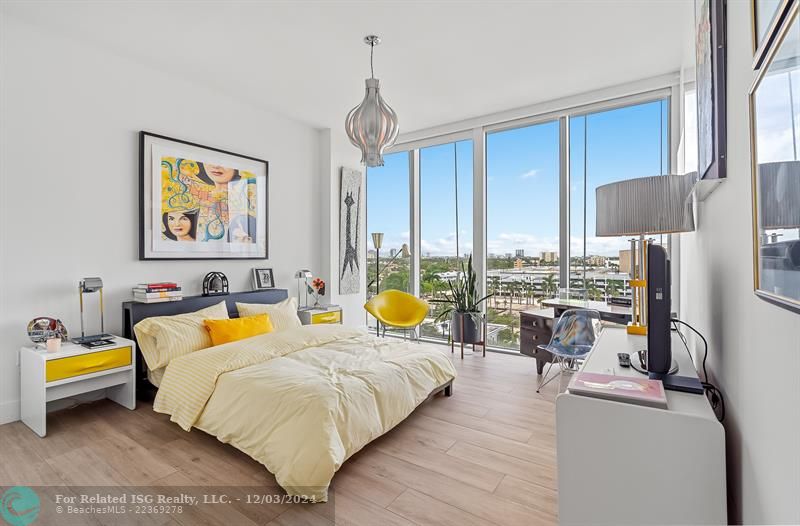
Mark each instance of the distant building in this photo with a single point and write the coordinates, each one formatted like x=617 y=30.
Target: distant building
x=625 y=261
x=548 y=257
x=509 y=255
x=518 y=263
x=392 y=252
x=520 y=252
x=371 y=253
x=596 y=261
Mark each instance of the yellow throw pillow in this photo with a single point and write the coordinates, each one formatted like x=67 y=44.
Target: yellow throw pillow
x=162 y=338
x=225 y=331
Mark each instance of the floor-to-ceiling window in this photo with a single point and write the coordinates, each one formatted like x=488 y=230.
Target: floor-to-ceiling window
x=605 y=147
x=445 y=201
x=522 y=192
x=388 y=213
x=540 y=175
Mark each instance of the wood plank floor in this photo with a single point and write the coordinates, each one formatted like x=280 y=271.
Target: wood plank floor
x=484 y=456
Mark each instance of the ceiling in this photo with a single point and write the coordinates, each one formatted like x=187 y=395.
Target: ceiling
x=440 y=61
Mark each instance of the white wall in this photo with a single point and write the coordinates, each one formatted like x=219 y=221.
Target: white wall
x=71 y=113
x=335 y=152
x=754 y=346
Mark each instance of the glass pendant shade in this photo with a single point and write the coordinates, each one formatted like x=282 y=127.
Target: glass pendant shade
x=372 y=125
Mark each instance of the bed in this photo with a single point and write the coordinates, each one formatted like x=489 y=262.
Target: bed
x=300 y=401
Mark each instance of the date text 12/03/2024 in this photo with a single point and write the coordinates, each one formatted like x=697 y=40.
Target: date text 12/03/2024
x=180 y=499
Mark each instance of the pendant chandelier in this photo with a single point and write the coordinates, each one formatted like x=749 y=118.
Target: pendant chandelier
x=372 y=125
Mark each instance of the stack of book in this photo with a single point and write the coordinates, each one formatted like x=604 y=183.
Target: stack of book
x=157 y=292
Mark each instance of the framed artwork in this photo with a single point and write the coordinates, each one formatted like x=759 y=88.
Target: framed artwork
x=767 y=16
x=349 y=231
x=710 y=81
x=774 y=128
x=198 y=202
x=263 y=279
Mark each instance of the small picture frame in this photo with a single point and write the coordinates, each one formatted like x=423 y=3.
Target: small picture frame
x=263 y=279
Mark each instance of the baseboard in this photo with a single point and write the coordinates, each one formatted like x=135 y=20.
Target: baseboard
x=9 y=412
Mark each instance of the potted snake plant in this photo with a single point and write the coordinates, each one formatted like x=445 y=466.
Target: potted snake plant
x=462 y=306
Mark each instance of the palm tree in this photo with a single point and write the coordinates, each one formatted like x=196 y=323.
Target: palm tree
x=613 y=287
x=549 y=286
x=593 y=291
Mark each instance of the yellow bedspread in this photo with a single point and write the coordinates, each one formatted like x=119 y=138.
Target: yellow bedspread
x=301 y=401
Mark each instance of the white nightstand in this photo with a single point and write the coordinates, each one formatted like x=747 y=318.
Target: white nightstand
x=45 y=377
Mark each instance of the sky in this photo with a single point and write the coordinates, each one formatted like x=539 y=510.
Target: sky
x=522 y=169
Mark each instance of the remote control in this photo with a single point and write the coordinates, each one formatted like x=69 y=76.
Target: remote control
x=624 y=359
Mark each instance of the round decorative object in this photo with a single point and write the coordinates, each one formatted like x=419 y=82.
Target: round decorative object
x=215 y=284
x=44 y=328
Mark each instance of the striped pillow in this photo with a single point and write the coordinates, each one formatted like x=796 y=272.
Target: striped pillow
x=162 y=338
x=283 y=314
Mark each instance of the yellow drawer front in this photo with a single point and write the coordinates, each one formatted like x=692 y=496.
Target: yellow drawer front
x=327 y=317
x=87 y=363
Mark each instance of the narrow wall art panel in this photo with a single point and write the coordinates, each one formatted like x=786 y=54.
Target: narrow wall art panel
x=350 y=231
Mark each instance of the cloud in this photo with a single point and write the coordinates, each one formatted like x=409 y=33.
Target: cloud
x=529 y=174
x=446 y=246
x=533 y=245
x=506 y=243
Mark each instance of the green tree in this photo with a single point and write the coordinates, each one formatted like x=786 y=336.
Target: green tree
x=593 y=291
x=613 y=287
x=549 y=285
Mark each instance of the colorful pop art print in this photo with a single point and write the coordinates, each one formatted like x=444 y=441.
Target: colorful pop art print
x=198 y=202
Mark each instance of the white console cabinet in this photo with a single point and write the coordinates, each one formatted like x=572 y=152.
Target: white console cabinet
x=622 y=463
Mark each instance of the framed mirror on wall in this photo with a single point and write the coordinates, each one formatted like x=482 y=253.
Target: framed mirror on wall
x=775 y=145
x=767 y=16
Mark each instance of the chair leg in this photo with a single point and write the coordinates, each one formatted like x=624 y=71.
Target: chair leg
x=544 y=381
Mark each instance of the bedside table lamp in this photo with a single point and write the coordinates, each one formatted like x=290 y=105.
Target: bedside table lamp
x=88 y=286
x=302 y=274
x=659 y=204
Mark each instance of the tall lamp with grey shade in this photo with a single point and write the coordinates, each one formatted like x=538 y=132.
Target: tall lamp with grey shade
x=659 y=204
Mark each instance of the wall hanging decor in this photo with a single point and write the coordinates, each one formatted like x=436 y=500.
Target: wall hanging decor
x=197 y=202
x=767 y=16
x=350 y=232
x=774 y=131
x=710 y=81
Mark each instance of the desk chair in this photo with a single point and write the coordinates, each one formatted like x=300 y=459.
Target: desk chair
x=573 y=338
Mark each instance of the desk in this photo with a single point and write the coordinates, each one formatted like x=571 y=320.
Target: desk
x=621 y=463
x=536 y=326
x=612 y=313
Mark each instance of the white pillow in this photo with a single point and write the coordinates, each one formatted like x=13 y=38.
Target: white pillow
x=162 y=338
x=283 y=314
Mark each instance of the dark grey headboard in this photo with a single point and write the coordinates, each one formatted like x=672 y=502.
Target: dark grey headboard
x=133 y=312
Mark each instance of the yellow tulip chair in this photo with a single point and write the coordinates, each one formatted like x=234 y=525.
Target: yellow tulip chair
x=399 y=310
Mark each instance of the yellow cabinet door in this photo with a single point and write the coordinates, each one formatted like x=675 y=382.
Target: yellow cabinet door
x=87 y=363
x=327 y=317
